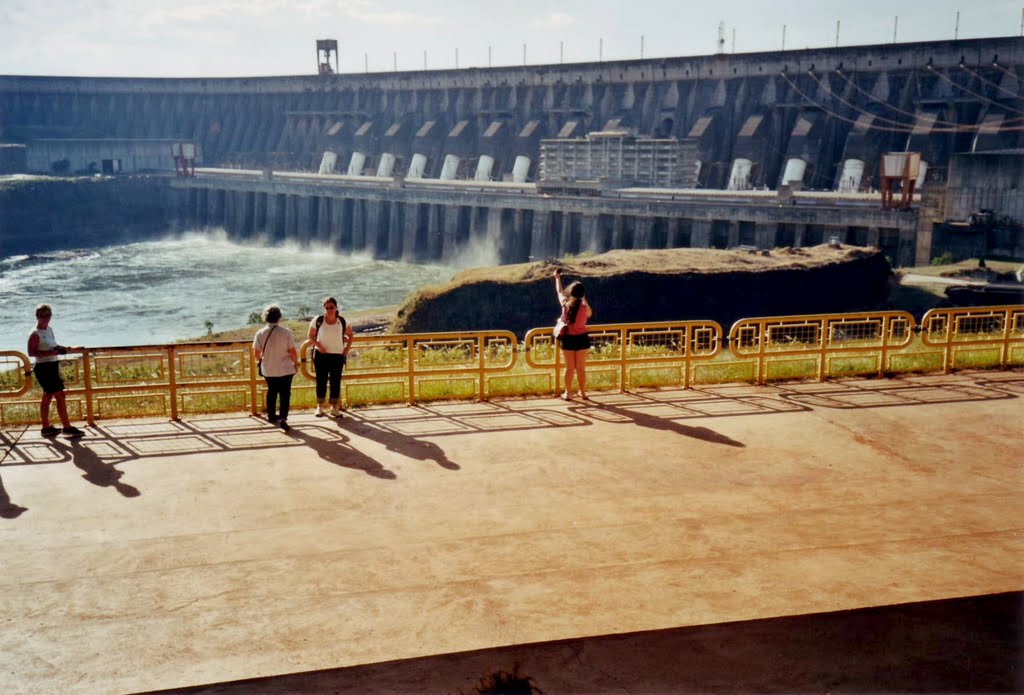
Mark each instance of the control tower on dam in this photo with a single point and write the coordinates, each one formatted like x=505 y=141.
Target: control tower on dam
x=806 y=120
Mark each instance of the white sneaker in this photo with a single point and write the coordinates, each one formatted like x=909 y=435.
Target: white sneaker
x=335 y=412
x=319 y=411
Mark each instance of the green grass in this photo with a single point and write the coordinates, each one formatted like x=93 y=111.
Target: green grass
x=146 y=375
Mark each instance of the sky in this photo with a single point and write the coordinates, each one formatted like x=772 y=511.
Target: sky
x=235 y=38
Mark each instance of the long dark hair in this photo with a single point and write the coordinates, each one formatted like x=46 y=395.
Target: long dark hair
x=576 y=293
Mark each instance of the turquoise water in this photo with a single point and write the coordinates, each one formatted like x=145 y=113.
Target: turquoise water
x=161 y=291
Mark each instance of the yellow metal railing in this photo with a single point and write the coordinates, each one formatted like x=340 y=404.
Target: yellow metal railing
x=821 y=339
x=975 y=335
x=179 y=379
x=630 y=347
x=410 y=362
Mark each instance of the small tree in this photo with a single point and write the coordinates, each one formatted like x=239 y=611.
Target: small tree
x=209 y=327
x=255 y=318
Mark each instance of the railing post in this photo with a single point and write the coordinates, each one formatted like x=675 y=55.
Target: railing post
x=823 y=342
x=687 y=338
x=885 y=344
x=87 y=377
x=410 y=366
x=481 y=359
x=1004 y=357
x=947 y=348
x=762 y=340
x=622 y=360
x=253 y=406
x=558 y=364
x=172 y=380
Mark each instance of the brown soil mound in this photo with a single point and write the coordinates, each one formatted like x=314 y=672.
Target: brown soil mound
x=662 y=285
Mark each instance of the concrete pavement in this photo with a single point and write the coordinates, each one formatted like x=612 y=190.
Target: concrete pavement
x=160 y=555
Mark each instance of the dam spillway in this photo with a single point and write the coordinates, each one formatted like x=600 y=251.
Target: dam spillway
x=422 y=220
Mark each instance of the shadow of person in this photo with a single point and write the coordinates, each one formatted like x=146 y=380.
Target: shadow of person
x=9 y=510
x=405 y=445
x=342 y=454
x=660 y=423
x=96 y=471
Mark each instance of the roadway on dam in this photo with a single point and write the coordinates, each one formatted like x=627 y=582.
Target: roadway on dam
x=854 y=535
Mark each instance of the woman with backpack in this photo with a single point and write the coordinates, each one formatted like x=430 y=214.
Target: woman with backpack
x=332 y=338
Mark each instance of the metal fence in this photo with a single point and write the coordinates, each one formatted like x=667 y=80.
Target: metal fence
x=190 y=378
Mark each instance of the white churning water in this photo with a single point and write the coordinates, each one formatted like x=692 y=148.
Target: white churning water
x=162 y=291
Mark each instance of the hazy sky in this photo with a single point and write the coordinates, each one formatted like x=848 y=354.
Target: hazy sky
x=190 y=38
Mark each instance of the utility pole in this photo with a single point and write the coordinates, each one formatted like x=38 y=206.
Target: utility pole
x=641 y=46
x=600 y=45
x=783 y=37
x=524 y=54
x=394 y=61
x=366 y=62
x=561 y=51
x=895 y=26
x=837 y=33
x=424 y=59
x=956 y=30
x=488 y=56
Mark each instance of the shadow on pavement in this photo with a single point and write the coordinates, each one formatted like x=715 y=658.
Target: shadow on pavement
x=410 y=447
x=634 y=416
x=340 y=452
x=966 y=645
x=9 y=510
x=96 y=471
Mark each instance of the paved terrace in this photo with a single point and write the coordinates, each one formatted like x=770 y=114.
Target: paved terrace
x=661 y=541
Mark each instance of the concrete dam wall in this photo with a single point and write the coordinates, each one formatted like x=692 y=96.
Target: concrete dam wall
x=834 y=110
x=815 y=120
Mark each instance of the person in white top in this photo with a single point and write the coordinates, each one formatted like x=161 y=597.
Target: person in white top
x=332 y=339
x=274 y=346
x=44 y=348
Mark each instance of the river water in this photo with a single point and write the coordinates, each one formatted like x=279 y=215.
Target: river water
x=162 y=291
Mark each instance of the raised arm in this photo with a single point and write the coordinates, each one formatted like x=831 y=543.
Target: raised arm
x=558 y=284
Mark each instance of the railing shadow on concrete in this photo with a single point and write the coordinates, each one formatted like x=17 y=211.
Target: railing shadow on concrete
x=416 y=432
x=181 y=380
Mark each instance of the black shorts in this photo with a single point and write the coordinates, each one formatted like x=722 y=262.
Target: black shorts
x=572 y=343
x=48 y=376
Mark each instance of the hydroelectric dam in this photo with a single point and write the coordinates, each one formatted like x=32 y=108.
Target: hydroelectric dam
x=759 y=150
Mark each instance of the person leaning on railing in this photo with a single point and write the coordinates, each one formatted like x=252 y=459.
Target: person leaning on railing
x=44 y=348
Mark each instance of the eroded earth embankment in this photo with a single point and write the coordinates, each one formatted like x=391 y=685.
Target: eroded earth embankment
x=672 y=284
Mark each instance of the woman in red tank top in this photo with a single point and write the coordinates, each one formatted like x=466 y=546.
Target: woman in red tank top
x=575 y=340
